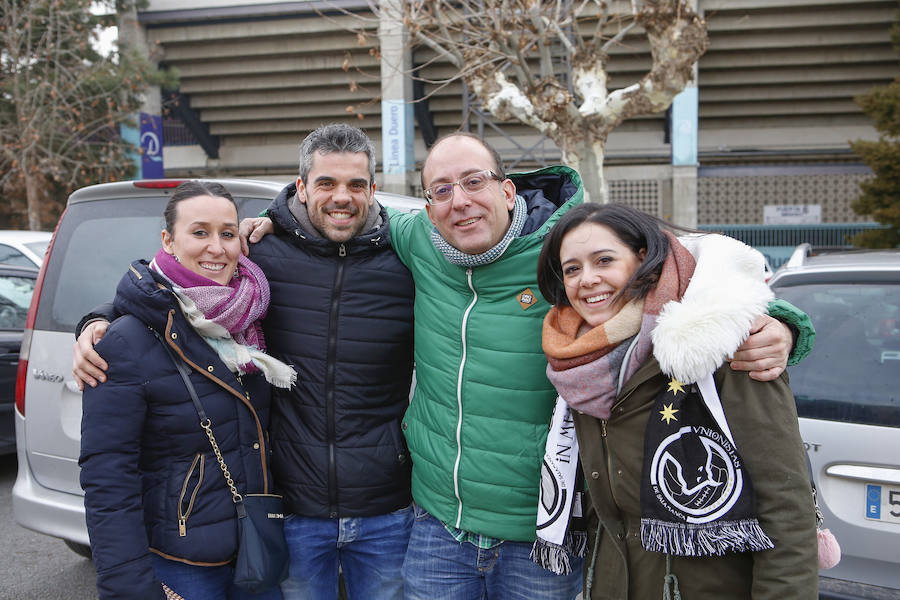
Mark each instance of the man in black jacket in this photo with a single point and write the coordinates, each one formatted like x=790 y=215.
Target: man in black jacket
x=342 y=315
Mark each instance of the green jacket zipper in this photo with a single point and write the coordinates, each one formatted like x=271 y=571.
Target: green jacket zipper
x=459 y=418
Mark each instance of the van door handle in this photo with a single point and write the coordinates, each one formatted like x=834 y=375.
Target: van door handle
x=862 y=473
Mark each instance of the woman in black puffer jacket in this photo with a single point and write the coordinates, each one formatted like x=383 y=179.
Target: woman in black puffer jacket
x=159 y=511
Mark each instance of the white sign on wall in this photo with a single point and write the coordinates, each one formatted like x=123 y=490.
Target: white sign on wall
x=396 y=136
x=792 y=214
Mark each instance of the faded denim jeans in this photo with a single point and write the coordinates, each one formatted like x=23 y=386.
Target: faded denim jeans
x=439 y=567
x=193 y=582
x=368 y=550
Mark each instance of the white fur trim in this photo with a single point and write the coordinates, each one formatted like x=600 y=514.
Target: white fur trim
x=727 y=292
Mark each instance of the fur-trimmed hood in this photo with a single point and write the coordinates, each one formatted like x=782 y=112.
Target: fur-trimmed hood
x=727 y=292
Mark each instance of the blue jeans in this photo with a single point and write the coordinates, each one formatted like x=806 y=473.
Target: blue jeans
x=204 y=583
x=437 y=567
x=369 y=552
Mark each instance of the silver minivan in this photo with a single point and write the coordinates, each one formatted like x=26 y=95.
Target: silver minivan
x=848 y=398
x=103 y=229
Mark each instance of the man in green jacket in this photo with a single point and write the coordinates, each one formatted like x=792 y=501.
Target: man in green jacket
x=477 y=424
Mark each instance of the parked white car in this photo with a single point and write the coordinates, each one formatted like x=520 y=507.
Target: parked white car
x=848 y=399
x=23 y=248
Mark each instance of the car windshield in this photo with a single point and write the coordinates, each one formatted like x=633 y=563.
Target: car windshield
x=39 y=248
x=11 y=256
x=853 y=371
x=15 y=297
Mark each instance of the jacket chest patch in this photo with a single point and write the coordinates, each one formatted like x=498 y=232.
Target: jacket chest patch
x=526 y=299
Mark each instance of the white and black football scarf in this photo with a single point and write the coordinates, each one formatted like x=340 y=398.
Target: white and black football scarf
x=696 y=496
x=561 y=529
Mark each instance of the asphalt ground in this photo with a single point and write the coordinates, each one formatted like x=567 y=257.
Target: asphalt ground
x=34 y=566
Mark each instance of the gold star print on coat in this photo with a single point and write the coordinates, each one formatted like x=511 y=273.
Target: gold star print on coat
x=675 y=386
x=668 y=413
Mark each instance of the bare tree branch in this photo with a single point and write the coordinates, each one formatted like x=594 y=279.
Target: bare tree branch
x=506 y=101
x=537 y=19
x=620 y=35
x=504 y=51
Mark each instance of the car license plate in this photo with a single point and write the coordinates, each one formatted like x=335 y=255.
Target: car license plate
x=882 y=503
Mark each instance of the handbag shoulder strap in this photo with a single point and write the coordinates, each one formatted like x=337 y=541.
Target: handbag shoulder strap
x=184 y=372
x=205 y=423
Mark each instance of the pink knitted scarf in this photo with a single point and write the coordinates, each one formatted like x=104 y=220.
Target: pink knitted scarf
x=238 y=306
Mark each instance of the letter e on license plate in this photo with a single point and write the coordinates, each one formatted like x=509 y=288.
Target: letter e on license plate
x=882 y=503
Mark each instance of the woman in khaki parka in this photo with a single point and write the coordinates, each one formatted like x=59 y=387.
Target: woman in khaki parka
x=695 y=473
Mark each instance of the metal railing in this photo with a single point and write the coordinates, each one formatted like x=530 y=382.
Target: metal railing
x=778 y=241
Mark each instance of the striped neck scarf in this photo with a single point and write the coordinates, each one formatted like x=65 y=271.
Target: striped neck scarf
x=461 y=259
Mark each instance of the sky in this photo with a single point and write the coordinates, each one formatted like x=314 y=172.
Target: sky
x=108 y=36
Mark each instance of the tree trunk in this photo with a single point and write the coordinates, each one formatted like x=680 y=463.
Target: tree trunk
x=32 y=196
x=590 y=166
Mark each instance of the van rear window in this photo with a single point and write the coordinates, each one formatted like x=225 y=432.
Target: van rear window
x=853 y=372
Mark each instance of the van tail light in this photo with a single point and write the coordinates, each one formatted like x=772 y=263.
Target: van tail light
x=158 y=184
x=22 y=370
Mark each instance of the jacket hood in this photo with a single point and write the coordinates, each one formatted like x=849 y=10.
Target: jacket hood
x=282 y=218
x=545 y=191
x=727 y=292
x=146 y=295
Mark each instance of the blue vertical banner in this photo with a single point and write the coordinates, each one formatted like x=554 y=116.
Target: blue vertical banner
x=132 y=135
x=148 y=137
x=151 y=147
x=397 y=137
x=684 y=127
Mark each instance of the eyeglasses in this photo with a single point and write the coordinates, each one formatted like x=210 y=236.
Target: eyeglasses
x=471 y=183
